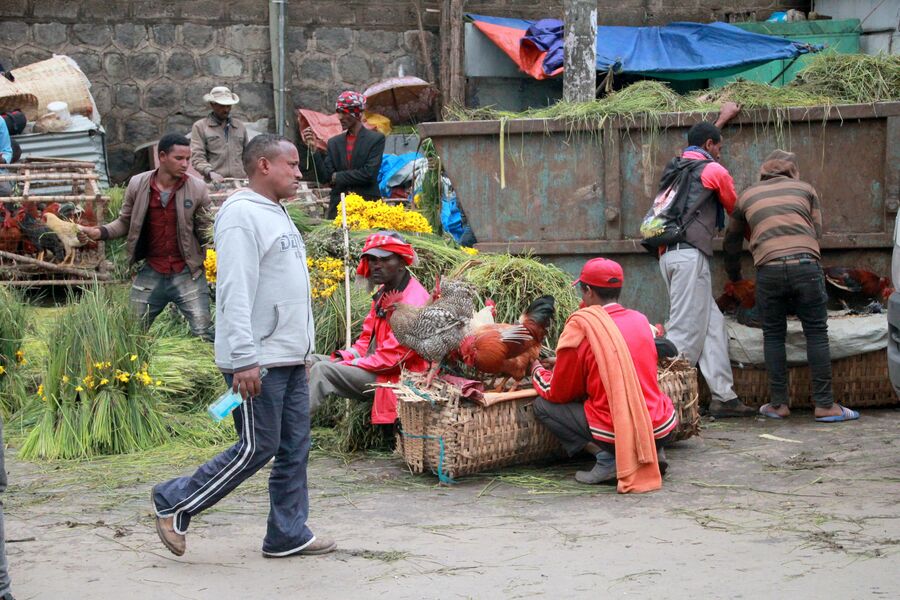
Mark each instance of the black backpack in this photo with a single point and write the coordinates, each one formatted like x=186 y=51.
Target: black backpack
x=665 y=222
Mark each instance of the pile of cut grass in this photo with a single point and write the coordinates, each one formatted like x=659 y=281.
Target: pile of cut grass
x=513 y=282
x=96 y=396
x=13 y=358
x=852 y=78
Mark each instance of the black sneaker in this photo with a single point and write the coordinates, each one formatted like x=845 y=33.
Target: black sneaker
x=731 y=408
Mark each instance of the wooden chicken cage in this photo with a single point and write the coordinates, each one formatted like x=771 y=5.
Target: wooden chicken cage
x=39 y=186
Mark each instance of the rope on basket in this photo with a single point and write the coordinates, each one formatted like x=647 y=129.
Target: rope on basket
x=442 y=477
x=415 y=390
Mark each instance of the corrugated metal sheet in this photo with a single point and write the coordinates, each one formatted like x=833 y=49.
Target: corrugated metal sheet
x=89 y=145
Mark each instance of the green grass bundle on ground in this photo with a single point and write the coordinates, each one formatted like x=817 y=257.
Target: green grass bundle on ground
x=186 y=368
x=96 y=394
x=13 y=359
x=329 y=315
x=513 y=282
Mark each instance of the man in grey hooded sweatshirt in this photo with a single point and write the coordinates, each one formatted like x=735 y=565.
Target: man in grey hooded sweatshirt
x=264 y=326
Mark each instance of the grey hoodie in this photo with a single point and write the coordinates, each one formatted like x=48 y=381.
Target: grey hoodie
x=263 y=306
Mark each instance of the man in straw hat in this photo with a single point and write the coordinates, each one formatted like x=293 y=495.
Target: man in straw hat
x=603 y=397
x=377 y=356
x=783 y=217
x=353 y=159
x=218 y=140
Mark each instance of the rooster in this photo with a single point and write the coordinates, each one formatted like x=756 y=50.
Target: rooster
x=855 y=288
x=68 y=235
x=10 y=234
x=737 y=294
x=38 y=237
x=434 y=330
x=508 y=350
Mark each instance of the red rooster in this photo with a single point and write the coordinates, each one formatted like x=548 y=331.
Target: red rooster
x=508 y=350
x=857 y=284
x=737 y=294
x=10 y=233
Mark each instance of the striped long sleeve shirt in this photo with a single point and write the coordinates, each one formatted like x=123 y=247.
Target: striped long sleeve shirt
x=783 y=217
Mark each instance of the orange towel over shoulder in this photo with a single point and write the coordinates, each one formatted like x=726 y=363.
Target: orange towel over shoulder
x=636 y=461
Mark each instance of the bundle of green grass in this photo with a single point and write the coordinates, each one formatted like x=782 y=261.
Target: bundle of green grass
x=96 y=395
x=13 y=329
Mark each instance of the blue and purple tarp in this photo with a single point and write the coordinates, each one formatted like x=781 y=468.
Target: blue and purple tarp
x=674 y=51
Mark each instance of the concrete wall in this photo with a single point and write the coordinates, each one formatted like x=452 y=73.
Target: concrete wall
x=151 y=61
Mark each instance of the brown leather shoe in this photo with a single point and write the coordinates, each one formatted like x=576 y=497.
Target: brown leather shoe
x=320 y=545
x=731 y=408
x=165 y=529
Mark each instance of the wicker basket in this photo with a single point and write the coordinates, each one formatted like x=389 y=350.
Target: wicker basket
x=55 y=79
x=860 y=381
x=448 y=435
x=678 y=380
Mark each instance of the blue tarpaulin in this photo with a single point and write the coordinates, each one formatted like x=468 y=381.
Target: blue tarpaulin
x=677 y=50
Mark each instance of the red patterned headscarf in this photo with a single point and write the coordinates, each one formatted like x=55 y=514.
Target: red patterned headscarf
x=383 y=244
x=351 y=103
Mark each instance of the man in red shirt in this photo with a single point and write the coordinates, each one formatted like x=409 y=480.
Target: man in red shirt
x=167 y=220
x=377 y=356
x=573 y=403
x=353 y=159
x=696 y=326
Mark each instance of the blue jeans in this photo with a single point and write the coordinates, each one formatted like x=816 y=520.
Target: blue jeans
x=151 y=292
x=275 y=423
x=783 y=289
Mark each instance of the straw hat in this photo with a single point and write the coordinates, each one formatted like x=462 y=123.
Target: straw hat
x=221 y=95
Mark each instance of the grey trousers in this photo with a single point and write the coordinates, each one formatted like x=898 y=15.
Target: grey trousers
x=569 y=424
x=4 y=565
x=696 y=326
x=327 y=378
x=151 y=292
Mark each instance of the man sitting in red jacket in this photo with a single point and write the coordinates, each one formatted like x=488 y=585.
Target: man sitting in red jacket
x=573 y=403
x=377 y=356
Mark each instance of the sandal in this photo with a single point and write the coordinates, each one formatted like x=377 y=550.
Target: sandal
x=771 y=414
x=847 y=414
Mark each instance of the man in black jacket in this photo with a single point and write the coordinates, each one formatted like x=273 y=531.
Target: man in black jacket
x=353 y=159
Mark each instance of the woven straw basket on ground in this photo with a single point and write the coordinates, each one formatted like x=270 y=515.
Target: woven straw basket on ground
x=451 y=436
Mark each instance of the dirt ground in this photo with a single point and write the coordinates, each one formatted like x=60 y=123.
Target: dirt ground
x=812 y=513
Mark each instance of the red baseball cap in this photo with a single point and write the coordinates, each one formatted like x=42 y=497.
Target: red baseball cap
x=601 y=272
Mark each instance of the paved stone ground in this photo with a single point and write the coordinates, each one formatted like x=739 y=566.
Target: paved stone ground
x=810 y=513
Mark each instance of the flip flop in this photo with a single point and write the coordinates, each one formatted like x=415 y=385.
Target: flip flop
x=769 y=414
x=847 y=414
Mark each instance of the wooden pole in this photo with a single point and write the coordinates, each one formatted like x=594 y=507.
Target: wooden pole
x=452 y=75
x=347 y=314
x=580 y=47
x=51 y=267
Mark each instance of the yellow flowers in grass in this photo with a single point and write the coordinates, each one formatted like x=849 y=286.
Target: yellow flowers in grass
x=469 y=251
x=325 y=275
x=209 y=264
x=20 y=358
x=366 y=214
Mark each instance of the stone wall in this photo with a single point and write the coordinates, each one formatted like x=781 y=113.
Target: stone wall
x=151 y=61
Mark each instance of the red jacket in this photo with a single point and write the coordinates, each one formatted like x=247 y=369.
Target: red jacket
x=576 y=377
x=379 y=352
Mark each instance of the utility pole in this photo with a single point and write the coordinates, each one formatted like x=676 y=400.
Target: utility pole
x=580 y=44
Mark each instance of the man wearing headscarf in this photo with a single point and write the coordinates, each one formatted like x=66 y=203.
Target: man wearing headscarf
x=353 y=158
x=377 y=356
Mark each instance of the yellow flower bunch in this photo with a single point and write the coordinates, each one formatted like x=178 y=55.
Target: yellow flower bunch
x=365 y=214
x=209 y=264
x=2 y=370
x=325 y=274
x=469 y=251
x=20 y=358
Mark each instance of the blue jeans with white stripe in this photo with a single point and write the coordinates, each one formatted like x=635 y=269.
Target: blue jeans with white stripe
x=275 y=423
